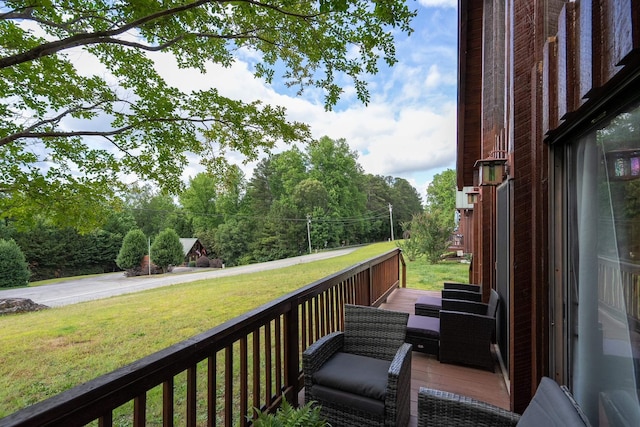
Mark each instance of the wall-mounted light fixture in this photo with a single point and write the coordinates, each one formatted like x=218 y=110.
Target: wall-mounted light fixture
x=623 y=165
x=491 y=171
x=473 y=196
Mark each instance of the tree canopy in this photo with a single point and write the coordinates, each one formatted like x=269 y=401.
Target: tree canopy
x=83 y=102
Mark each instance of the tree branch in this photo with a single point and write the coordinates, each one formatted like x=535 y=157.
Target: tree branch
x=10 y=138
x=27 y=15
x=246 y=35
x=31 y=134
x=84 y=39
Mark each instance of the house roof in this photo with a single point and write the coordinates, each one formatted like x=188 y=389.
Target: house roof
x=187 y=244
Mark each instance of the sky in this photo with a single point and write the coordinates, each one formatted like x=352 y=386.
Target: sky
x=408 y=128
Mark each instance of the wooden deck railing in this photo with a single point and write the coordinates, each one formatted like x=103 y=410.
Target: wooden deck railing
x=619 y=289
x=218 y=377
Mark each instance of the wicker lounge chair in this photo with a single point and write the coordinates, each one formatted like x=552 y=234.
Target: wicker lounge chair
x=471 y=287
x=361 y=376
x=552 y=405
x=431 y=305
x=461 y=335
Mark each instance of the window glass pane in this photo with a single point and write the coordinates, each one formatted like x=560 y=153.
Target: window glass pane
x=606 y=271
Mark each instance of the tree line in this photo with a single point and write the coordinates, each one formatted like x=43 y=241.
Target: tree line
x=318 y=197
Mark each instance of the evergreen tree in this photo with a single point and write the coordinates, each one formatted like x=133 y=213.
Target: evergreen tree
x=134 y=248
x=232 y=242
x=14 y=270
x=167 y=250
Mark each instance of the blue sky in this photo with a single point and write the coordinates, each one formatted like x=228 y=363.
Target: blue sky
x=408 y=128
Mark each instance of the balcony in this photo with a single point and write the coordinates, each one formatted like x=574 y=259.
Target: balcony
x=426 y=371
x=252 y=361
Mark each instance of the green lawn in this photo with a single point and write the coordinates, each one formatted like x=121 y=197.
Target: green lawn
x=44 y=353
x=422 y=275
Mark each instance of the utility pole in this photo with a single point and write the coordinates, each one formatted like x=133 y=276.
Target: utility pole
x=391 y=219
x=309 y=231
x=149 y=256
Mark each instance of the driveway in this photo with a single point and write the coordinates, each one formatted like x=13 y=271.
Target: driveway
x=111 y=284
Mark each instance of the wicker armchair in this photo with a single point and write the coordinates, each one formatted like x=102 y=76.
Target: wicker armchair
x=463 y=287
x=466 y=330
x=431 y=305
x=361 y=376
x=552 y=405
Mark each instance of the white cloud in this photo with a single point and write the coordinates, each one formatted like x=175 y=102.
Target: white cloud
x=439 y=3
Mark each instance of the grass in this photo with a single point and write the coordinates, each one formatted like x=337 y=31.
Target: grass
x=422 y=275
x=44 y=353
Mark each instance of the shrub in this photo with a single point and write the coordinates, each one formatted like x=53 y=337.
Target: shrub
x=167 y=249
x=202 y=262
x=133 y=249
x=14 y=270
x=288 y=416
x=215 y=263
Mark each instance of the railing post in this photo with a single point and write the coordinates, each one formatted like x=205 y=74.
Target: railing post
x=404 y=269
x=370 y=296
x=291 y=354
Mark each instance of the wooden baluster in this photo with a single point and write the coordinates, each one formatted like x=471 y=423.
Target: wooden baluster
x=192 y=396
x=268 y=365
x=167 y=403
x=212 y=388
x=244 y=384
x=228 y=386
x=140 y=410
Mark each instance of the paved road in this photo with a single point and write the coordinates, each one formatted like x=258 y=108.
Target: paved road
x=111 y=284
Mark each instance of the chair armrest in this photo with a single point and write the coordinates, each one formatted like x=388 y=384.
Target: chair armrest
x=464 y=306
x=318 y=353
x=398 y=395
x=463 y=287
x=458 y=294
x=441 y=408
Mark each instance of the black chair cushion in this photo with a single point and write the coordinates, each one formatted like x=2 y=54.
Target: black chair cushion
x=428 y=306
x=429 y=301
x=423 y=326
x=366 y=405
x=551 y=406
x=352 y=373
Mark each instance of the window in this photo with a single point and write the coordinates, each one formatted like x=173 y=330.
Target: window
x=603 y=275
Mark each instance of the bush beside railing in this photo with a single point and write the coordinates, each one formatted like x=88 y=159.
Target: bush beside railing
x=218 y=377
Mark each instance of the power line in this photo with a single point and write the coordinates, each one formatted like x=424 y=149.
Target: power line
x=343 y=220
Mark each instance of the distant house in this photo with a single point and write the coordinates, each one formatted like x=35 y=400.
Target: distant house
x=192 y=249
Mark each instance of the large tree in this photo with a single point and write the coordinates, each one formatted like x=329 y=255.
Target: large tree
x=333 y=164
x=69 y=132
x=441 y=199
x=199 y=200
x=152 y=210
